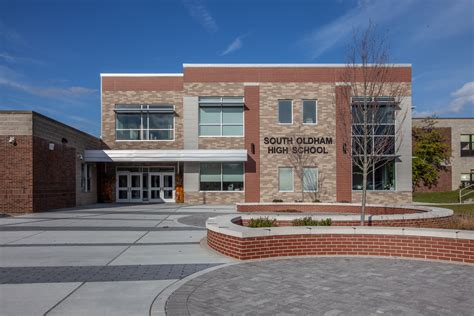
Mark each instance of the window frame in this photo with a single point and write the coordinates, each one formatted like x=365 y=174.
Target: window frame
x=292 y=179
x=373 y=179
x=316 y=111
x=292 y=112
x=144 y=111
x=470 y=151
x=220 y=105
x=222 y=176
x=86 y=177
x=317 y=179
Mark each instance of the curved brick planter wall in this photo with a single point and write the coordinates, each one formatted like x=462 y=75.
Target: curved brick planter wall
x=344 y=208
x=252 y=243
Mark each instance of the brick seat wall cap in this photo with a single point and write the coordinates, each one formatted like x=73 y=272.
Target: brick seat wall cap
x=424 y=212
x=224 y=224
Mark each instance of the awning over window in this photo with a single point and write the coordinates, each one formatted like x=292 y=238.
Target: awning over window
x=164 y=155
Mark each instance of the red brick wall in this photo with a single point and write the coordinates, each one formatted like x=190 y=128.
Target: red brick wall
x=431 y=248
x=343 y=146
x=316 y=208
x=280 y=74
x=16 y=175
x=252 y=136
x=172 y=83
x=54 y=176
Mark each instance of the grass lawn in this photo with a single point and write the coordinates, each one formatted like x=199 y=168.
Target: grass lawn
x=436 y=197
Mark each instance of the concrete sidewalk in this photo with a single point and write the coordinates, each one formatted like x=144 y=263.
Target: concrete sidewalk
x=101 y=259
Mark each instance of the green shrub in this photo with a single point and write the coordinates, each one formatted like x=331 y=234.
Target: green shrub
x=308 y=221
x=277 y=201
x=262 y=222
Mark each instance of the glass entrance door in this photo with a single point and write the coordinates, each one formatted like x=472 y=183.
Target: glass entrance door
x=129 y=186
x=167 y=189
x=161 y=187
x=122 y=187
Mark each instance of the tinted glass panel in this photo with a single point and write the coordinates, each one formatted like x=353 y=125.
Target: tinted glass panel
x=128 y=134
x=210 y=115
x=209 y=130
x=232 y=130
x=128 y=121
x=285 y=177
x=285 y=111
x=233 y=115
x=309 y=111
x=160 y=121
x=161 y=135
x=310 y=180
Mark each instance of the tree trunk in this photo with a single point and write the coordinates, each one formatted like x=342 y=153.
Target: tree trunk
x=364 y=197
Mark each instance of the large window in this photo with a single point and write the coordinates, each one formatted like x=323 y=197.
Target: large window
x=221 y=116
x=467 y=145
x=285 y=111
x=379 y=116
x=467 y=179
x=310 y=179
x=285 y=179
x=380 y=178
x=216 y=176
x=144 y=122
x=309 y=112
x=86 y=176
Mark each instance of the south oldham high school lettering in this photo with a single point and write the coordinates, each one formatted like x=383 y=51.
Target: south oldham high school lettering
x=298 y=145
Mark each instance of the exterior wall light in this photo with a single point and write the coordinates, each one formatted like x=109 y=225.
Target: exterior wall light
x=51 y=146
x=12 y=140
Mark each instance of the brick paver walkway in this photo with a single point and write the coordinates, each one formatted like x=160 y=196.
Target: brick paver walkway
x=329 y=286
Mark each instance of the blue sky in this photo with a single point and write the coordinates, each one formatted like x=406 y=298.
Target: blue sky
x=52 y=52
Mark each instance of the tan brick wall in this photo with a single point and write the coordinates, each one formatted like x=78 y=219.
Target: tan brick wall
x=110 y=98
x=15 y=123
x=270 y=93
x=214 y=197
x=383 y=197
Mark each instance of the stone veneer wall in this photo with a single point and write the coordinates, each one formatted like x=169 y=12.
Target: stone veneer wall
x=214 y=197
x=383 y=197
x=110 y=98
x=270 y=93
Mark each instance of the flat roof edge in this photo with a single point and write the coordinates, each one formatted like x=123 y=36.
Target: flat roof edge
x=141 y=74
x=280 y=65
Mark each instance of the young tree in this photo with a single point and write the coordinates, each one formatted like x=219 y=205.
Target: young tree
x=431 y=153
x=300 y=160
x=374 y=94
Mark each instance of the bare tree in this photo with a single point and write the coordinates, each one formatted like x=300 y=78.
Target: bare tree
x=299 y=159
x=374 y=94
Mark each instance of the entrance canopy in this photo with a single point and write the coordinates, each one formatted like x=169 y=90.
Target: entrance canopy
x=165 y=155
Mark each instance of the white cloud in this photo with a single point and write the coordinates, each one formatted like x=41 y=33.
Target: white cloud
x=462 y=97
x=18 y=60
x=201 y=14
x=340 y=29
x=235 y=45
x=51 y=92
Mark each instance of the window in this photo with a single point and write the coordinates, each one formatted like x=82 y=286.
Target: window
x=86 y=176
x=310 y=179
x=144 y=122
x=467 y=145
x=382 y=178
x=216 y=176
x=467 y=179
x=285 y=111
x=221 y=116
x=380 y=133
x=285 y=179
x=309 y=112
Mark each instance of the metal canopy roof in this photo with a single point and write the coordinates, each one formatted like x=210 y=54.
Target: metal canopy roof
x=164 y=155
